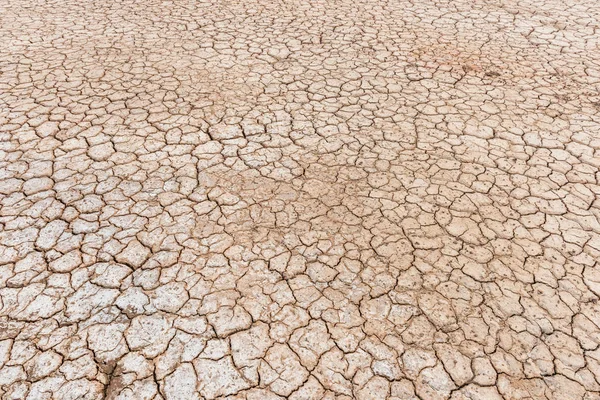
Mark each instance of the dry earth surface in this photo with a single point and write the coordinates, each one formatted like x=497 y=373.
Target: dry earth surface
x=322 y=199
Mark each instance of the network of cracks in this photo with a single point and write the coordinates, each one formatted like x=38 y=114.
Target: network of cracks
x=320 y=199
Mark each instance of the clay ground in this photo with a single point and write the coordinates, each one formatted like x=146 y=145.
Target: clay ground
x=299 y=199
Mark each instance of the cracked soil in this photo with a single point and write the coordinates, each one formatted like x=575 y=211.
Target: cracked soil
x=321 y=199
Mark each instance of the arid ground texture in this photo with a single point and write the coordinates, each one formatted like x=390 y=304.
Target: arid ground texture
x=302 y=200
